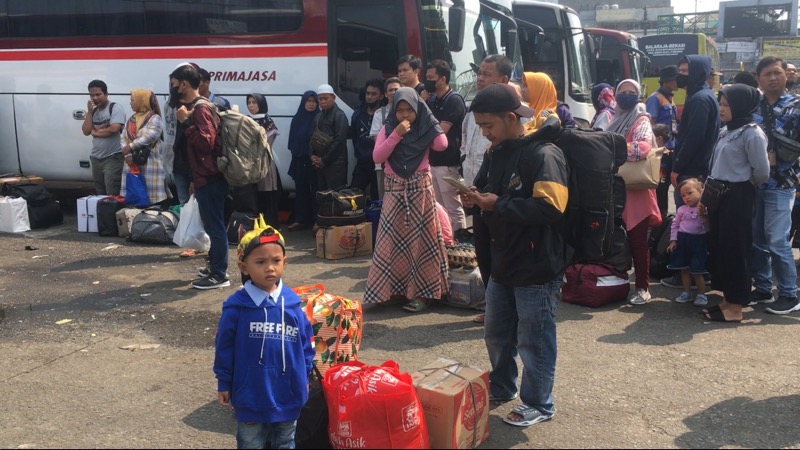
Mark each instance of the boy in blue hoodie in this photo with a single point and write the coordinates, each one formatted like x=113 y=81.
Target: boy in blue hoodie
x=264 y=348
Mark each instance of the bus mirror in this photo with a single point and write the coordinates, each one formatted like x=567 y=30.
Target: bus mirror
x=457 y=17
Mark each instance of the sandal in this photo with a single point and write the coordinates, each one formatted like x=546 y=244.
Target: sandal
x=718 y=316
x=416 y=305
x=710 y=310
x=189 y=252
x=479 y=318
x=529 y=416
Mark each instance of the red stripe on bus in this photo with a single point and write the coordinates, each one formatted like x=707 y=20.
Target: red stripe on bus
x=164 y=53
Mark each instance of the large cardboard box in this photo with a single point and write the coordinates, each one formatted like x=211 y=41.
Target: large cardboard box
x=344 y=241
x=87 y=213
x=455 y=398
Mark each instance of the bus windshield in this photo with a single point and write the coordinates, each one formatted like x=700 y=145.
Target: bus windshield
x=579 y=69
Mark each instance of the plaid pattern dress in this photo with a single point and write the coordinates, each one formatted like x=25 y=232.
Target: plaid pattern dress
x=154 y=175
x=410 y=258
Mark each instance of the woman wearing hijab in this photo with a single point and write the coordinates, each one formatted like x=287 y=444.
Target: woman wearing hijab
x=604 y=104
x=641 y=208
x=301 y=170
x=739 y=161
x=410 y=258
x=269 y=189
x=540 y=94
x=143 y=129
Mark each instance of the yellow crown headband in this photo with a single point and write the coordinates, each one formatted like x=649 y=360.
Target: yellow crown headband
x=261 y=234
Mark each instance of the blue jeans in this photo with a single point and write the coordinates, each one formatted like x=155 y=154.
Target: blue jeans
x=772 y=250
x=520 y=319
x=256 y=435
x=182 y=181
x=211 y=200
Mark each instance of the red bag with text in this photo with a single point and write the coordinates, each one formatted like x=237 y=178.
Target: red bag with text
x=373 y=407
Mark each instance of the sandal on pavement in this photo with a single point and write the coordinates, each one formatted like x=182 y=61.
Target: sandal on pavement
x=529 y=416
x=479 y=318
x=189 y=252
x=710 y=310
x=416 y=305
x=718 y=316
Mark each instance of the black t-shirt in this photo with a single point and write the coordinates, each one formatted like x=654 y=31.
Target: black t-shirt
x=450 y=108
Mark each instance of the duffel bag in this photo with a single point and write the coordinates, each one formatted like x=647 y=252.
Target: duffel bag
x=342 y=207
x=125 y=217
x=107 y=215
x=45 y=216
x=337 y=323
x=33 y=194
x=153 y=226
x=594 y=285
x=373 y=407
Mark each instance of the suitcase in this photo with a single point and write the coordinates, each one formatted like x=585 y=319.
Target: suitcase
x=124 y=218
x=45 y=216
x=107 y=215
x=239 y=224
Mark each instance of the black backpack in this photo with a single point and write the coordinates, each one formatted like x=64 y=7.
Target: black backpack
x=593 y=219
x=658 y=241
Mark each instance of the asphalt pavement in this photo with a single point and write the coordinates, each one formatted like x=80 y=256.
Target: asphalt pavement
x=104 y=344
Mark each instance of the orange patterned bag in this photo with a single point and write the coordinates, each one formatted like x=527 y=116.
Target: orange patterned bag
x=337 y=324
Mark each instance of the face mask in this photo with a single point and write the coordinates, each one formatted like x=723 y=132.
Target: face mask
x=683 y=81
x=430 y=85
x=627 y=101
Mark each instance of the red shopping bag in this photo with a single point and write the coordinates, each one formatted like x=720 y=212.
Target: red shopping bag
x=373 y=407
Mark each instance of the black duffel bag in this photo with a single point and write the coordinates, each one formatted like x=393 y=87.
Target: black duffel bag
x=342 y=207
x=153 y=226
x=33 y=194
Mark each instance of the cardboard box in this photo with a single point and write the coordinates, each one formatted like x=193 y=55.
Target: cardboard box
x=87 y=213
x=455 y=399
x=32 y=179
x=344 y=241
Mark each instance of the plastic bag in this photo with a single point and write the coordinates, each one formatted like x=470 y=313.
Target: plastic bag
x=136 y=189
x=373 y=407
x=190 y=232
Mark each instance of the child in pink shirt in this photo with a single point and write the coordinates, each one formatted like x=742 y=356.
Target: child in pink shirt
x=687 y=246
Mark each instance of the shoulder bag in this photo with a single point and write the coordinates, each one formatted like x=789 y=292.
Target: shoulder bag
x=713 y=193
x=320 y=141
x=643 y=174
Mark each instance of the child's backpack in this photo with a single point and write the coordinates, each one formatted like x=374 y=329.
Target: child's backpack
x=246 y=156
x=596 y=193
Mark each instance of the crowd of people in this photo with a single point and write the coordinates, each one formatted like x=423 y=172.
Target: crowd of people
x=734 y=192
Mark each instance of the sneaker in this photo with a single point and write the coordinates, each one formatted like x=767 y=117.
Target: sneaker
x=757 y=297
x=701 y=300
x=784 y=305
x=685 y=297
x=673 y=281
x=204 y=272
x=211 y=282
x=640 y=298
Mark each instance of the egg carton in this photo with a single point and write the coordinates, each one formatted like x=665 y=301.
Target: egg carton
x=462 y=255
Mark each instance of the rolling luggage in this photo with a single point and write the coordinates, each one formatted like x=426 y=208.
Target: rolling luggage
x=107 y=215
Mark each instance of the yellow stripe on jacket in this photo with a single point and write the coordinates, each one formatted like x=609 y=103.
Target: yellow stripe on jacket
x=552 y=192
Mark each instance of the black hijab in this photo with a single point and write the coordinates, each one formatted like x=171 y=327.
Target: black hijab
x=302 y=126
x=743 y=102
x=262 y=116
x=407 y=155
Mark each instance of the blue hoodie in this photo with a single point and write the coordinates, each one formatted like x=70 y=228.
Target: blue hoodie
x=264 y=354
x=699 y=126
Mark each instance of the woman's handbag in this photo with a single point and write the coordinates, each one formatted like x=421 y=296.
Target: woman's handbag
x=320 y=142
x=643 y=174
x=713 y=193
x=140 y=155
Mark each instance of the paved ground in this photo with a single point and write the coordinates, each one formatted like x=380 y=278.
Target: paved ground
x=648 y=376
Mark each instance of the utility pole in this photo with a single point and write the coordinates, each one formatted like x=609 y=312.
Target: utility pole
x=644 y=20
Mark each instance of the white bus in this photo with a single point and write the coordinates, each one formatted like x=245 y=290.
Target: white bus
x=51 y=49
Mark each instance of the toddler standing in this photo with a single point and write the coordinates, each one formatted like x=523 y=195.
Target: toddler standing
x=687 y=247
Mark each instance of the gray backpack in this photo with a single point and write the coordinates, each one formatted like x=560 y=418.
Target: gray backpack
x=153 y=226
x=246 y=155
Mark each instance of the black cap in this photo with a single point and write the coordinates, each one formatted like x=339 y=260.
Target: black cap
x=668 y=73
x=499 y=98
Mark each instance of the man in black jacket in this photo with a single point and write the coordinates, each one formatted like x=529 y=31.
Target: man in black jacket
x=521 y=190
x=331 y=163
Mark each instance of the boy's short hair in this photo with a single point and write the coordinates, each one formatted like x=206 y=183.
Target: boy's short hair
x=661 y=130
x=187 y=73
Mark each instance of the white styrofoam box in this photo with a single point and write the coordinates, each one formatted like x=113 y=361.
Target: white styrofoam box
x=14 y=215
x=87 y=213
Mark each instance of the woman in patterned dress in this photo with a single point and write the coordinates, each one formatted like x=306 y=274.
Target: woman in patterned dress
x=143 y=129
